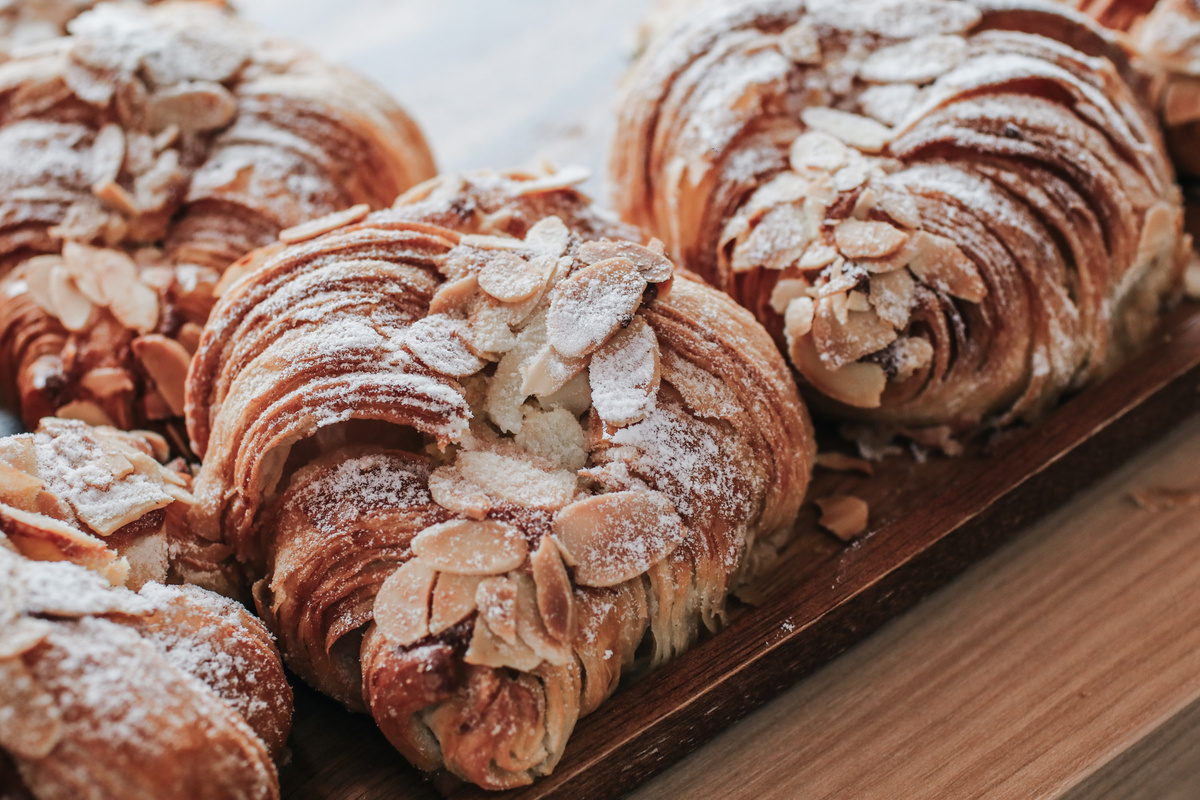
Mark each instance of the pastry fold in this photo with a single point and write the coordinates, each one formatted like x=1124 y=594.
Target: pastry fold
x=488 y=459
x=948 y=213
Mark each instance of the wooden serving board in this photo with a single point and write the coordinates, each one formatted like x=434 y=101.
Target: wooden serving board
x=929 y=521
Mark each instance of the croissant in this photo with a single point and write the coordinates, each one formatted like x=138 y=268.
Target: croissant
x=948 y=213
x=31 y=22
x=143 y=154
x=486 y=461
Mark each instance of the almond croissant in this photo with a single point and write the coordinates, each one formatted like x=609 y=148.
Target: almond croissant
x=948 y=212
x=143 y=154
x=486 y=461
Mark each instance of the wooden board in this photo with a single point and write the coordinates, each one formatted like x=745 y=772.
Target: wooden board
x=929 y=522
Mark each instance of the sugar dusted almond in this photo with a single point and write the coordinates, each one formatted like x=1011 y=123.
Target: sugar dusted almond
x=798 y=318
x=564 y=178
x=852 y=175
x=655 y=267
x=800 y=43
x=590 y=305
x=860 y=132
x=488 y=330
x=19 y=489
x=1159 y=230
x=192 y=106
x=614 y=537
x=108 y=153
x=787 y=290
x=857 y=301
x=859 y=384
x=841 y=462
x=840 y=344
x=889 y=103
x=817 y=256
x=454 y=297
x=554 y=435
x=44 y=538
x=548 y=372
x=817 y=150
x=35 y=274
x=70 y=305
x=919 y=60
x=450 y=490
x=531 y=628
x=402 y=605
x=18 y=451
x=938 y=262
x=555 y=598
x=843 y=515
x=901 y=207
x=496 y=599
x=166 y=362
x=510 y=278
x=707 y=395
x=489 y=650
x=437 y=342
x=322 y=225
x=453 y=600
x=84 y=411
x=549 y=236
x=624 y=375
x=470 y=547
x=778 y=239
x=517 y=480
x=859 y=239
x=21 y=634
x=33 y=724
x=911 y=355
x=891 y=294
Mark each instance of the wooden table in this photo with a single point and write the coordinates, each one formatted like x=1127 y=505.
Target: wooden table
x=1065 y=666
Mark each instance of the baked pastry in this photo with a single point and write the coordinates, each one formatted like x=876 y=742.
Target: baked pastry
x=487 y=464
x=173 y=692
x=142 y=155
x=948 y=213
x=31 y=22
x=1165 y=37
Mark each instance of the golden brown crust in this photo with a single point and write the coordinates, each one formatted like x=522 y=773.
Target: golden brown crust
x=947 y=212
x=146 y=152
x=488 y=462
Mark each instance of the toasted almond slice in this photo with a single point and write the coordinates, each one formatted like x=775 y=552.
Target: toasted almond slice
x=859 y=239
x=575 y=396
x=1181 y=101
x=189 y=336
x=166 y=362
x=19 y=489
x=192 y=106
x=510 y=278
x=547 y=372
x=817 y=256
x=564 y=178
x=454 y=297
x=489 y=650
x=590 y=305
x=116 y=197
x=481 y=241
x=108 y=153
x=624 y=375
x=817 y=150
x=531 y=628
x=555 y=599
x=496 y=599
x=857 y=301
x=891 y=294
x=798 y=318
x=45 y=538
x=889 y=103
x=654 y=266
x=841 y=462
x=322 y=225
x=84 y=411
x=70 y=305
x=778 y=239
x=911 y=355
x=938 y=262
x=35 y=275
x=19 y=453
x=786 y=291
x=32 y=722
x=402 y=605
x=136 y=307
x=549 y=236
x=453 y=600
x=517 y=480
x=852 y=175
x=843 y=515
x=917 y=60
x=614 y=537
x=554 y=435
x=470 y=547
x=488 y=329
x=450 y=490
x=859 y=384
x=900 y=206
x=706 y=394
x=437 y=343
x=860 y=132
x=800 y=43
x=20 y=635
x=839 y=344
x=1159 y=231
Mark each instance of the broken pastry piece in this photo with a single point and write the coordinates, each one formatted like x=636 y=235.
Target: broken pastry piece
x=486 y=460
x=945 y=213
x=143 y=154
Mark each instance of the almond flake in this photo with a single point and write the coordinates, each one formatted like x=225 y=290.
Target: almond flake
x=470 y=547
x=549 y=236
x=322 y=225
x=70 y=305
x=889 y=103
x=496 y=599
x=18 y=489
x=919 y=60
x=401 y=609
x=654 y=267
x=554 y=435
x=901 y=207
x=516 y=480
x=624 y=375
x=817 y=256
x=611 y=538
x=192 y=106
x=775 y=242
x=450 y=490
x=590 y=305
x=798 y=318
x=511 y=279
x=84 y=411
x=817 y=150
x=800 y=43
x=859 y=384
x=843 y=515
x=489 y=650
x=839 y=344
x=166 y=362
x=938 y=262
x=108 y=153
x=562 y=179
x=555 y=599
x=911 y=355
x=548 y=372
x=453 y=600
x=857 y=301
x=891 y=294
x=786 y=291
x=454 y=297
x=437 y=342
x=857 y=131
x=707 y=395
x=859 y=239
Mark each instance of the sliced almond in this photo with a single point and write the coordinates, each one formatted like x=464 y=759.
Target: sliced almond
x=33 y=725
x=860 y=132
x=516 y=480
x=840 y=344
x=891 y=294
x=575 y=396
x=889 y=103
x=453 y=600
x=454 y=297
x=166 y=362
x=84 y=411
x=779 y=239
x=911 y=355
x=817 y=256
x=45 y=538
x=624 y=375
x=555 y=599
x=611 y=538
x=901 y=207
x=70 y=305
x=19 y=489
x=817 y=150
x=564 y=178
x=548 y=372
x=843 y=515
x=192 y=106
x=488 y=330
x=655 y=267
x=108 y=153
x=798 y=318
x=859 y=384
x=401 y=608
x=860 y=239
x=511 y=279
x=470 y=547
x=590 y=305
x=450 y=490
x=18 y=451
x=706 y=394
x=917 y=60
x=800 y=43
x=787 y=290
x=496 y=599
x=857 y=301
x=549 y=236
x=938 y=262
x=531 y=629
x=322 y=225
x=437 y=343
x=556 y=436
x=489 y=650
